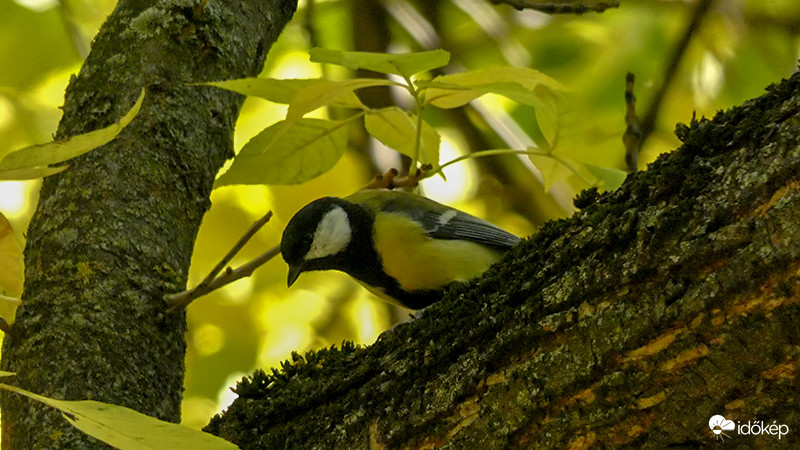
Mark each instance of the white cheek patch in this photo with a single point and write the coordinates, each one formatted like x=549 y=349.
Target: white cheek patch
x=332 y=234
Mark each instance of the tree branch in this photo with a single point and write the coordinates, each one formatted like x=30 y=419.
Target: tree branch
x=561 y=7
x=648 y=122
x=654 y=308
x=114 y=232
x=211 y=282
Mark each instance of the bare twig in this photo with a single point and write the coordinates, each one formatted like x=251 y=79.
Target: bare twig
x=75 y=34
x=649 y=120
x=308 y=24
x=632 y=138
x=212 y=282
x=390 y=180
x=561 y=7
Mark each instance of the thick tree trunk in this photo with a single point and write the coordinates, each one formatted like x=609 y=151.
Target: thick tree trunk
x=635 y=321
x=115 y=232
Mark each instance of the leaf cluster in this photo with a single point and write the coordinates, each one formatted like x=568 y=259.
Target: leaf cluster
x=123 y=427
x=298 y=148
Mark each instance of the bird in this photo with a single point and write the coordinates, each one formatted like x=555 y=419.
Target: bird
x=401 y=246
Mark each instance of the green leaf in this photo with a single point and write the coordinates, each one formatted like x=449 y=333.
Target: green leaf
x=276 y=155
x=552 y=170
x=557 y=167
x=12 y=271
x=326 y=92
x=3 y=373
x=405 y=65
x=283 y=91
x=30 y=173
x=517 y=83
x=547 y=114
x=125 y=428
x=39 y=156
x=610 y=178
x=397 y=129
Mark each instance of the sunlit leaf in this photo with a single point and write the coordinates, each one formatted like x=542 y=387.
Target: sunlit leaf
x=325 y=93
x=30 y=173
x=3 y=373
x=552 y=171
x=305 y=150
x=406 y=64
x=547 y=114
x=517 y=83
x=556 y=167
x=397 y=129
x=58 y=151
x=12 y=270
x=283 y=91
x=125 y=428
x=610 y=178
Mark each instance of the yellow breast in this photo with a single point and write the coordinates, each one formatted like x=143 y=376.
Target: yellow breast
x=417 y=261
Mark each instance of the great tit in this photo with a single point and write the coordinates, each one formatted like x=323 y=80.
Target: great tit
x=401 y=246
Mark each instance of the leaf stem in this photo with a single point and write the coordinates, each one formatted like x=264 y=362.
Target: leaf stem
x=412 y=171
x=415 y=93
x=508 y=151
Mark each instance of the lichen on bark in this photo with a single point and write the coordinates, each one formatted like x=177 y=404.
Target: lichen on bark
x=114 y=233
x=653 y=308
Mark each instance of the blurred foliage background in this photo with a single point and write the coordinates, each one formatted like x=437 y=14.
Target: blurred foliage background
x=739 y=48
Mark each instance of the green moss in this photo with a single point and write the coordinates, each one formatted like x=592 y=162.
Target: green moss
x=560 y=312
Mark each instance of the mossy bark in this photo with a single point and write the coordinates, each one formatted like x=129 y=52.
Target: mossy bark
x=632 y=323
x=115 y=232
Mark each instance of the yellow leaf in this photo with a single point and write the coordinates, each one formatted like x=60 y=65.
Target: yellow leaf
x=30 y=173
x=404 y=64
x=277 y=155
x=516 y=83
x=12 y=270
x=283 y=91
x=325 y=92
x=125 y=428
x=40 y=156
x=397 y=129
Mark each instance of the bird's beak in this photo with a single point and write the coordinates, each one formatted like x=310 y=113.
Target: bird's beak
x=294 y=272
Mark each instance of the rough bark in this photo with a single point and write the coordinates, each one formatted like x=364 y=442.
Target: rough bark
x=653 y=308
x=114 y=233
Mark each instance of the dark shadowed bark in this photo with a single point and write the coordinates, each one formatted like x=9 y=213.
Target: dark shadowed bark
x=652 y=309
x=114 y=233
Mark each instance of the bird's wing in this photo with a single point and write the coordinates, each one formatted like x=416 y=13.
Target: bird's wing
x=454 y=224
x=439 y=221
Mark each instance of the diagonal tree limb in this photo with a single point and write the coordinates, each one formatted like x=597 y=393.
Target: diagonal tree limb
x=632 y=323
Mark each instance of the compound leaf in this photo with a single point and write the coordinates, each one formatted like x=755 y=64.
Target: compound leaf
x=405 y=65
x=279 y=155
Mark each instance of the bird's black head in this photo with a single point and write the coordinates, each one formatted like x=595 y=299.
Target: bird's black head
x=319 y=236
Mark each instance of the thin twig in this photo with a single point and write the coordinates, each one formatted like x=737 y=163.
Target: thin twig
x=561 y=7
x=183 y=299
x=649 y=120
x=75 y=34
x=211 y=281
x=308 y=25
x=632 y=138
